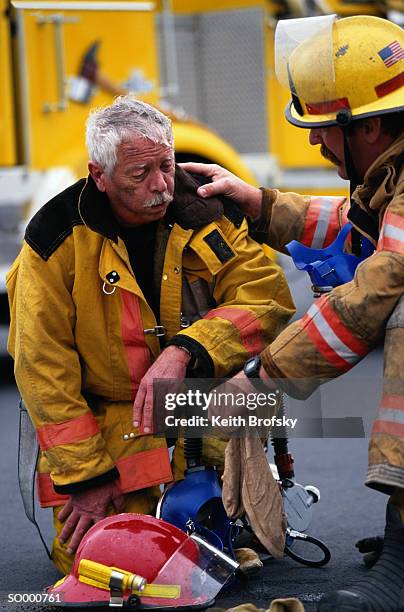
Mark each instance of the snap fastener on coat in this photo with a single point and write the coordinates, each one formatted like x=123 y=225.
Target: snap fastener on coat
x=177 y=270
x=113 y=277
x=165 y=276
x=126 y=436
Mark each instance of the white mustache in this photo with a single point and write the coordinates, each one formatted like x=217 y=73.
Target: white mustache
x=163 y=198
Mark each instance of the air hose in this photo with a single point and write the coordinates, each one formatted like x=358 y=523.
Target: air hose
x=192 y=451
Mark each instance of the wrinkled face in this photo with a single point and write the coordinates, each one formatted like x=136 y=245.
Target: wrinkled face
x=331 y=140
x=142 y=183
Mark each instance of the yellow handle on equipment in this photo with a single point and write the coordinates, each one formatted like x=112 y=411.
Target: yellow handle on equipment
x=99 y=575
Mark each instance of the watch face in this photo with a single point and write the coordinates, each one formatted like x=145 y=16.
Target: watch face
x=252 y=366
x=249 y=367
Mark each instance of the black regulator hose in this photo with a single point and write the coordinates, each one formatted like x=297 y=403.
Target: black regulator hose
x=192 y=451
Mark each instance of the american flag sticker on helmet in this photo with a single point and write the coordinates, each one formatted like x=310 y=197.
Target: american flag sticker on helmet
x=392 y=53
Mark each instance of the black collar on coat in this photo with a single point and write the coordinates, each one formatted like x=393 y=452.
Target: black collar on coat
x=187 y=208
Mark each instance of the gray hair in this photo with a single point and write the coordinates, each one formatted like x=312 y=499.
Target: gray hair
x=107 y=127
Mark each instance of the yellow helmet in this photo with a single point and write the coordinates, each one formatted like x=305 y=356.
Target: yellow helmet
x=338 y=70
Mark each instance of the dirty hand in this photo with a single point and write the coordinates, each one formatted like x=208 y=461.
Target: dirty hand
x=225 y=183
x=84 y=509
x=170 y=365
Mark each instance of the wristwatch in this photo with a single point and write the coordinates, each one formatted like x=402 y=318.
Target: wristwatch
x=252 y=370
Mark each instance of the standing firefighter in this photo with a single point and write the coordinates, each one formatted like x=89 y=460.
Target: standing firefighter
x=347 y=86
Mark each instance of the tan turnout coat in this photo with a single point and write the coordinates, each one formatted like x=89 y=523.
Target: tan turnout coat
x=344 y=325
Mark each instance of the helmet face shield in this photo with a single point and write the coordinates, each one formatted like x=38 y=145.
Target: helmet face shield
x=134 y=561
x=291 y=34
x=206 y=569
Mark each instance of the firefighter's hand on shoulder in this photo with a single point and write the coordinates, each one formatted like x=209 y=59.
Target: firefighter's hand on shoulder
x=171 y=365
x=225 y=183
x=84 y=509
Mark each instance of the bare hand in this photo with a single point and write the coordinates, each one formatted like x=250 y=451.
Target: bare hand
x=225 y=183
x=171 y=364
x=84 y=509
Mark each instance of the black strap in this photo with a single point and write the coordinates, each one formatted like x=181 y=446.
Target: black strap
x=365 y=221
x=356 y=242
x=360 y=218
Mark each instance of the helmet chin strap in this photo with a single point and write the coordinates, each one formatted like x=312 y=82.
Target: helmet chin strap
x=354 y=181
x=353 y=176
x=344 y=118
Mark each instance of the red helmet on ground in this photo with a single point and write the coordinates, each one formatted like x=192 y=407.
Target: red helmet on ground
x=137 y=561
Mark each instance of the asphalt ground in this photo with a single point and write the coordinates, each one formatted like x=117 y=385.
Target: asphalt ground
x=346 y=512
x=337 y=466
